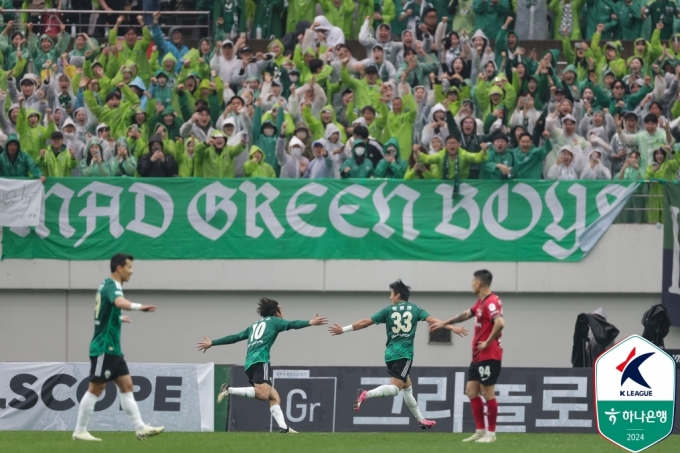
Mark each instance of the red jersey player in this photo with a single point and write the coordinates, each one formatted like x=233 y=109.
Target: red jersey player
x=487 y=354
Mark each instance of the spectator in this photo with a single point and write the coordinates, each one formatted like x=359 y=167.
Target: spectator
x=490 y=15
x=528 y=158
x=94 y=164
x=392 y=166
x=595 y=169
x=57 y=159
x=500 y=163
x=567 y=167
x=256 y=167
x=601 y=18
x=663 y=168
x=157 y=163
x=357 y=166
x=453 y=162
x=217 y=157
x=15 y=162
x=646 y=141
x=124 y=163
x=322 y=164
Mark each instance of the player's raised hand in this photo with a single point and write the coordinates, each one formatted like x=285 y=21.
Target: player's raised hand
x=318 y=321
x=460 y=331
x=335 y=330
x=205 y=344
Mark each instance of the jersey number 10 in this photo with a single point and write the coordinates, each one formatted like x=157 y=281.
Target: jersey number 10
x=258 y=331
x=398 y=317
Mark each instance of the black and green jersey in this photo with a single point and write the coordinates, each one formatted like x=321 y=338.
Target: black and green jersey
x=401 y=321
x=107 y=320
x=261 y=337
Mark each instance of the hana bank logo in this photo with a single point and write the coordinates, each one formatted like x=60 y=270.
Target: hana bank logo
x=630 y=370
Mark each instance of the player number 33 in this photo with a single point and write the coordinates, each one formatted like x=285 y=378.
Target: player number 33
x=398 y=318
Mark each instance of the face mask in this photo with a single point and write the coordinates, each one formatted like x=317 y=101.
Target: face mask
x=359 y=151
x=296 y=151
x=69 y=136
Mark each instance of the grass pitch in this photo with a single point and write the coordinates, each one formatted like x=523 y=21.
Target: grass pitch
x=419 y=442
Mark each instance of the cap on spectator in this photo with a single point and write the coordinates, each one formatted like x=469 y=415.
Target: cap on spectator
x=246 y=49
x=318 y=143
x=569 y=117
x=227 y=42
x=630 y=114
x=276 y=82
x=560 y=91
x=56 y=135
x=370 y=69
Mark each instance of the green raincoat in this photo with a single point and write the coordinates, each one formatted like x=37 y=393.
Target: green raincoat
x=262 y=169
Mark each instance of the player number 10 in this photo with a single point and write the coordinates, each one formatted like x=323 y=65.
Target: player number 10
x=258 y=331
x=398 y=318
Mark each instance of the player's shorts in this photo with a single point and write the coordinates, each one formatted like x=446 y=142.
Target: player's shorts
x=399 y=369
x=258 y=373
x=486 y=372
x=107 y=367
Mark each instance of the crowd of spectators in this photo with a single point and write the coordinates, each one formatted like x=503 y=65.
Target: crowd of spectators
x=431 y=97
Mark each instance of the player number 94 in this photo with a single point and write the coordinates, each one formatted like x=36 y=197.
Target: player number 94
x=398 y=318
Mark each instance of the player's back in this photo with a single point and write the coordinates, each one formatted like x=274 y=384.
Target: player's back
x=107 y=321
x=261 y=338
x=401 y=322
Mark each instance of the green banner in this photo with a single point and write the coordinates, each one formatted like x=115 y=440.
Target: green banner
x=91 y=219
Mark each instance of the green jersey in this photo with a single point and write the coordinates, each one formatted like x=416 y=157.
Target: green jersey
x=107 y=320
x=261 y=337
x=401 y=321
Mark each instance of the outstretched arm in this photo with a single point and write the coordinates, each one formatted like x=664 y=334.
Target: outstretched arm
x=467 y=314
x=294 y=325
x=229 y=339
x=337 y=330
x=125 y=304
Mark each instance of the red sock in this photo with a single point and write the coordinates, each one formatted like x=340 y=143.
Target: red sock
x=492 y=413
x=478 y=411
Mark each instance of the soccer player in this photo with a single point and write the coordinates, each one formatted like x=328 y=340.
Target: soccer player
x=400 y=319
x=261 y=337
x=487 y=354
x=106 y=357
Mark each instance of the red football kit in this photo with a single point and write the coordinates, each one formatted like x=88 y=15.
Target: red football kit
x=486 y=311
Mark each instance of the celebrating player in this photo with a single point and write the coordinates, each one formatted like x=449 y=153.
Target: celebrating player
x=487 y=354
x=261 y=337
x=400 y=319
x=106 y=357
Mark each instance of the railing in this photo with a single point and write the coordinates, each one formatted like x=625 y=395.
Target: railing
x=644 y=206
x=98 y=22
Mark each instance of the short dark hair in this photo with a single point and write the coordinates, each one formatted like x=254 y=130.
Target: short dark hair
x=525 y=134
x=202 y=109
x=115 y=94
x=368 y=108
x=268 y=307
x=400 y=288
x=56 y=135
x=315 y=65
x=199 y=103
x=361 y=131
x=119 y=259
x=651 y=118
x=484 y=277
x=452 y=137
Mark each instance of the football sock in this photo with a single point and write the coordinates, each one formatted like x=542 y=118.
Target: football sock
x=412 y=404
x=127 y=401
x=383 y=391
x=492 y=413
x=277 y=413
x=478 y=411
x=248 y=392
x=85 y=411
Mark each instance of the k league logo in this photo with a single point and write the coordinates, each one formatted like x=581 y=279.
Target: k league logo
x=635 y=394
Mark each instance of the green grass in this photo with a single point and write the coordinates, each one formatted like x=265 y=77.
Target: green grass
x=418 y=442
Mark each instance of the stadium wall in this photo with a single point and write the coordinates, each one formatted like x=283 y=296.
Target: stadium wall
x=46 y=306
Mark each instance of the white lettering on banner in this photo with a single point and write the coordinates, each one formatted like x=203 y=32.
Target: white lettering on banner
x=212 y=192
x=302 y=407
x=291 y=374
x=602 y=201
x=265 y=210
x=555 y=230
x=335 y=211
x=467 y=204
x=518 y=412
x=494 y=227
x=293 y=211
x=439 y=395
x=65 y=227
x=92 y=211
x=397 y=405
x=675 y=270
x=563 y=419
x=44 y=397
x=162 y=197
x=381 y=204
